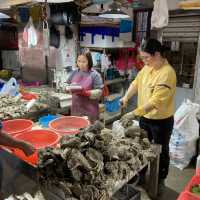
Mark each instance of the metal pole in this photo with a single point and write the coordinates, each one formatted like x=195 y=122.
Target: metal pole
x=45 y=22
x=46 y=68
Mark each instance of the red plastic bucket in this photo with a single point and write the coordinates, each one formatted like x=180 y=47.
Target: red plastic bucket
x=39 y=139
x=68 y=125
x=29 y=96
x=16 y=126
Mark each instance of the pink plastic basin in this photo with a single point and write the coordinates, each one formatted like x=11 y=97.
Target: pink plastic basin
x=39 y=139
x=17 y=126
x=68 y=125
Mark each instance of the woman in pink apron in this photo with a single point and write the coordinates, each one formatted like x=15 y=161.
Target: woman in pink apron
x=85 y=102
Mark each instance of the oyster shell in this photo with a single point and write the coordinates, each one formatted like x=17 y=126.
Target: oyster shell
x=70 y=142
x=94 y=160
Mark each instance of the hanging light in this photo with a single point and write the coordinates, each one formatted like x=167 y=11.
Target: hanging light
x=4 y=16
x=114 y=12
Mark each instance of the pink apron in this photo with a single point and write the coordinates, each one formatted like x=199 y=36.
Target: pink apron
x=81 y=105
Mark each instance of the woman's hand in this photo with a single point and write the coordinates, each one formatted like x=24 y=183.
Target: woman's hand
x=124 y=102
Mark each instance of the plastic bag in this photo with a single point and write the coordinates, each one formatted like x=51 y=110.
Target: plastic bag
x=10 y=88
x=185 y=120
x=118 y=130
x=30 y=34
x=160 y=14
x=105 y=62
x=181 y=150
x=30 y=104
x=46 y=37
x=185 y=134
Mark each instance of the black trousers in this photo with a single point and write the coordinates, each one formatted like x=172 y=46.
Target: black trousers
x=159 y=132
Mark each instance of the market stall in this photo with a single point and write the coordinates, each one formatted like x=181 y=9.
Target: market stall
x=107 y=172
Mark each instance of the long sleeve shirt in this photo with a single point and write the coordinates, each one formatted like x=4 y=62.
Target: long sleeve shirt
x=156 y=87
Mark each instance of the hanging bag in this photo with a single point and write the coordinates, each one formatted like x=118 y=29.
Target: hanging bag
x=10 y=88
x=46 y=37
x=30 y=34
x=160 y=14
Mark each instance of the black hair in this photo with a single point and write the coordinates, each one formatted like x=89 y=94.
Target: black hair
x=88 y=56
x=152 y=46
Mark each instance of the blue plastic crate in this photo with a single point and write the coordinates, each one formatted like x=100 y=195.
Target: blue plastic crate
x=113 y=106
x=45 y=120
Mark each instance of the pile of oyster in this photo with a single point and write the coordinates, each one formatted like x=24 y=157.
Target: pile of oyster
x=11 y=107
x=88 y=165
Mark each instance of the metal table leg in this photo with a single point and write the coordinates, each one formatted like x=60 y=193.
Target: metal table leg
x=153 y=174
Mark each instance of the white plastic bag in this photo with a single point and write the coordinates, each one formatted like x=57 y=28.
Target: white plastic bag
x=30 y=34
x=46 y=37
x=181 y=150
x=30 y=104
x=185 y=134
x=160 y=14
x=10 y=88
x=105 y=62
x=185 y=120
x=118 y=130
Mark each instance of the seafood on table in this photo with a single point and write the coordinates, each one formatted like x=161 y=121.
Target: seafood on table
x=88 y=165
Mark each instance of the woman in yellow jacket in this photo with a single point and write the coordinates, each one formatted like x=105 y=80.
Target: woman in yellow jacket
x=155 y=86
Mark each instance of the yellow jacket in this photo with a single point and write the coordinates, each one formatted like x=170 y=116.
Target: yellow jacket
x=157 y=87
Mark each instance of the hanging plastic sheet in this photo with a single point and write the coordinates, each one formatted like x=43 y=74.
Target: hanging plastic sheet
x=30 y=34
x=160 y=14
x=105 y=62
x=46 y=37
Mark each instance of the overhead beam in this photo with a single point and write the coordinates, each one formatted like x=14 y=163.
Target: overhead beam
x=18 y=2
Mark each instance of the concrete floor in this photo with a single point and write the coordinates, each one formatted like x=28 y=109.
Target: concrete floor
x=175 y=183
x=178 y=179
